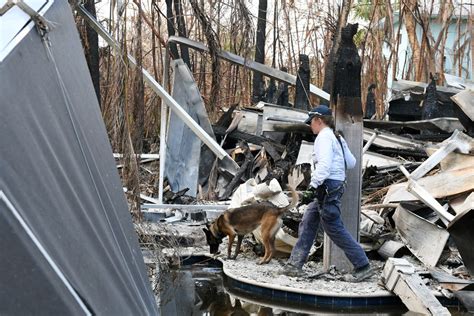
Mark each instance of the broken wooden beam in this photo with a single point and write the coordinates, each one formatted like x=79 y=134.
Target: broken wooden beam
x=440 y=185
x=457 y=141
x=459 y=226
x=243 y=168
x=400 y=277
x=424 y=196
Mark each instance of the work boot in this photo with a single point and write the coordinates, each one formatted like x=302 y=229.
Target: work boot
x=360 y=274
x=291 y=271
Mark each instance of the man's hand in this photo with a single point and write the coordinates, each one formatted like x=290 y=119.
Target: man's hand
x=308 y=195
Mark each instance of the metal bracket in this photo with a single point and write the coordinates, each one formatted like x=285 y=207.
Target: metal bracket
x=42 y=25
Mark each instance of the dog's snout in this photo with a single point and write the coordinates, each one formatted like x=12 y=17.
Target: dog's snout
x=214 y=249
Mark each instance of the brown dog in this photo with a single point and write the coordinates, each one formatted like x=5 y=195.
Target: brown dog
x=243 y=220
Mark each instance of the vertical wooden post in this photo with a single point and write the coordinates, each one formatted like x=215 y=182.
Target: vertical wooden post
x=348 y=115
x=347 y=109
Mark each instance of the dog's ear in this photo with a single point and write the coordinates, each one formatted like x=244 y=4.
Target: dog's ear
x=206 y=231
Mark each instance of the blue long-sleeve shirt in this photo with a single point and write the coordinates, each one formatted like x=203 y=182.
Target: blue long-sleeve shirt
x=328 y=158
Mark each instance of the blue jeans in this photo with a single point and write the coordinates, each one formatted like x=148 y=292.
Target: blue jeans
x=326 y=210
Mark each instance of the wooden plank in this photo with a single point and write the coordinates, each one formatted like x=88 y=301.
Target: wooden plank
x=424 y=196
x=248 y=63
x=424 y=239
x=453 y=161
x=400 y=277
x=465 y=101
x=389 y=140
x=445 y=124
x=448 y=281
x=418 y=297
x=433 y=160
x=440 y=185
x=348 y=119
x=462 y=203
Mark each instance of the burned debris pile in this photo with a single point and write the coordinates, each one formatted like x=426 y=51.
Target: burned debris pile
x=417 y=182
x=417 y=195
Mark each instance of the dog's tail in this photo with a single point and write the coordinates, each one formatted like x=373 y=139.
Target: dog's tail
x=294 y=200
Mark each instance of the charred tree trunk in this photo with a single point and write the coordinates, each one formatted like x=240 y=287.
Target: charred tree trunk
x=90 y=41
x=410 y=23
x=430 y=108
x=182 y=32
x=138 y=98
x=331 y=58
x=302 y=84
x=214 y=48
x=281 y=96
x=258 y=87
x=130 y=171
x=170 y=25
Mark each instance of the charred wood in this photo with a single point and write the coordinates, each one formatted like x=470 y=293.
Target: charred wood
x=242 y=170
x=249 y=138
x=302 y=84
x=347 y=67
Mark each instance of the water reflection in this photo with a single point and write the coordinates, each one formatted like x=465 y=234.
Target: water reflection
x=201 y=289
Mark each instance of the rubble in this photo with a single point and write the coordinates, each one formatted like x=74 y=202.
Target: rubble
x=400 y=277
x=417 y=188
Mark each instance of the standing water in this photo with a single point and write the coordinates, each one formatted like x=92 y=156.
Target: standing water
x=200 y=288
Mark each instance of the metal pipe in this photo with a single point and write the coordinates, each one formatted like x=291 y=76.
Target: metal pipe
x=164 y=117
